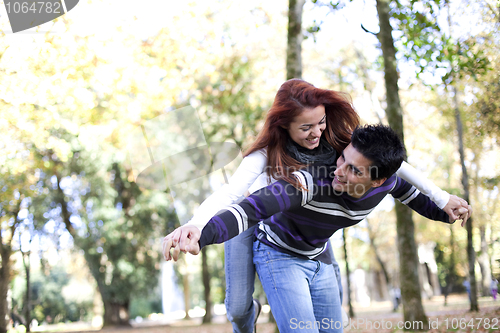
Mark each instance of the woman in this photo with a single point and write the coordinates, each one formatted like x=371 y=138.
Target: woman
x=305 y=125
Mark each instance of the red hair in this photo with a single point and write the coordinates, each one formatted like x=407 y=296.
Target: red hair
x=293 y=96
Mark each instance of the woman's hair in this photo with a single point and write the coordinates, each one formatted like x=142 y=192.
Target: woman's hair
x=293 y=96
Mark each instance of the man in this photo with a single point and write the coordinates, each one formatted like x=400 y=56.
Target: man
x=291 y=244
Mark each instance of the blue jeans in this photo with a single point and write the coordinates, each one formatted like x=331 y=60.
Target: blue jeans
x=240 y=278
x=303 y=294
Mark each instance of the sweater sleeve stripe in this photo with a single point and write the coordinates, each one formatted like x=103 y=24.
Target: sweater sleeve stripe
x=305 y=180
x=331 y=205
x=410 y=196
x=240 y=216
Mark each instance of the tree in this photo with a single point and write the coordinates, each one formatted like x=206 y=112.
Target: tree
x=294 y=41
x=348 y=274
x=409 y=279
x=19 y=187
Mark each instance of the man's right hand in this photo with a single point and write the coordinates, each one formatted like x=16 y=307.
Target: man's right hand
x=183 y=239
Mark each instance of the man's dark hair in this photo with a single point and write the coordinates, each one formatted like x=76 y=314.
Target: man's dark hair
x=382 y=146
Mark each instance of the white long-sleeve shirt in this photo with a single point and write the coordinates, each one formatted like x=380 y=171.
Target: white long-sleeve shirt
x=251 y=176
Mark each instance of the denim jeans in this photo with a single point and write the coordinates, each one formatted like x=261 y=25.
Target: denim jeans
x=240 y=277
x=303 y=294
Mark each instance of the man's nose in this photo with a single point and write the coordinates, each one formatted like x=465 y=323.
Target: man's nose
x=339 y=171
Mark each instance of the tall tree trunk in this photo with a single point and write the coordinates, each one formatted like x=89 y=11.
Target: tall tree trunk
x=186 y=292
x=408 y=259
x=115 y=313
x=294 y=49
x=388 y=281
x=294 y=46
x=471 y=254
x=484 y=263
x=377 y=255
x=5 y=265
x=5 y=276
x=451 y=277
x=27 y=303
x=207 y=318
x=348 y=275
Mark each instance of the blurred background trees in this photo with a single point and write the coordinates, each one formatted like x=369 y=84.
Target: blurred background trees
x=73 y=217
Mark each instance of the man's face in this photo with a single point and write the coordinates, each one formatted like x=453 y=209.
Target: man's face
x=353 y=173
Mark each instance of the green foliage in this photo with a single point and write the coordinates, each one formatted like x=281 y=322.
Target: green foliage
x=146 y=304
x=47 y=299
x=229 y=109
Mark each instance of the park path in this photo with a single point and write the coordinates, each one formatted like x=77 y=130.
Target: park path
x=377 y=313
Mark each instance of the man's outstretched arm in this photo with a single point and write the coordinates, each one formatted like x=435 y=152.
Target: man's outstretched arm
x=277 y=197
x=410 y=196
x=237 y=218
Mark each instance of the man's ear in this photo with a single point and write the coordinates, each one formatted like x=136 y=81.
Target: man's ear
x=378 y=182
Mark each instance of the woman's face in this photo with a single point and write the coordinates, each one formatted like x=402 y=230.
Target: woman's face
x=307 y=127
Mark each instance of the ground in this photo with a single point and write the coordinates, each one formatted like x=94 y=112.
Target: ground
x=378 y=317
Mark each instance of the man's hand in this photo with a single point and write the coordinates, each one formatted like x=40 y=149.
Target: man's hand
x=183 y=239
x=458 y=209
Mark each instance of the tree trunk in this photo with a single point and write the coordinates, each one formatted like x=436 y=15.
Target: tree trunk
x=451 y=277
x=377 y=255
x=294 y=46
x=348 y=276
x=6 y=268
x=115 y=314
x=207 y=318
x=27 y=303
x=293 y=53
x=5 y=273
x=484 y=263
x=185 y=289
x=388 y=281
x=471 y=254
x=409 y=281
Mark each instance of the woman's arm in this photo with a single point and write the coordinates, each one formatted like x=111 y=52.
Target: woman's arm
x=249 y=171
x=424 y=185
x=228 y=223
x=451 y=204
x=278 y=197
x=251 y=167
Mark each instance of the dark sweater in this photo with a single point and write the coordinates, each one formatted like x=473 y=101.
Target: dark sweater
x=300 y=221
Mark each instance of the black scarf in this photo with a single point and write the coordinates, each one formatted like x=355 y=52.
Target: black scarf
x=323 y=154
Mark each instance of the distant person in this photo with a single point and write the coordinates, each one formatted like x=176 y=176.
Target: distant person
x=466 y=284
x=494 y=287
x=396 y=298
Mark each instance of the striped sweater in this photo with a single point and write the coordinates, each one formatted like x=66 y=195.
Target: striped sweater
x=300 y=221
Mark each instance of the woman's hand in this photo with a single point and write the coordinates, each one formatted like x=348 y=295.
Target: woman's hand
x=183 y=239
